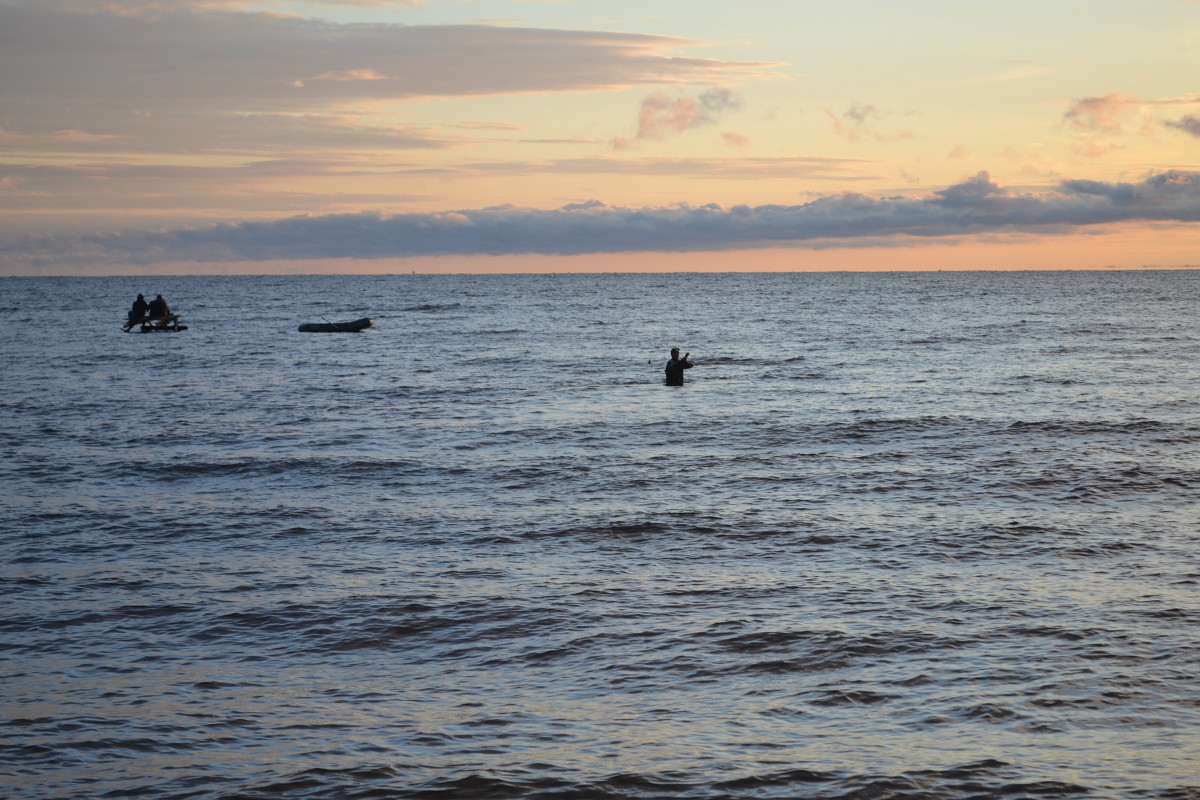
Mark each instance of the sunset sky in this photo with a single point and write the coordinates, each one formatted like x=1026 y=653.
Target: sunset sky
x=144 y=136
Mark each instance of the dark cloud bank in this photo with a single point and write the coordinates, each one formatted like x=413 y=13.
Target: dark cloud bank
x=975 y=206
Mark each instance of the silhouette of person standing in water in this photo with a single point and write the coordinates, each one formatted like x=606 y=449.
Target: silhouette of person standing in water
x=676 y=366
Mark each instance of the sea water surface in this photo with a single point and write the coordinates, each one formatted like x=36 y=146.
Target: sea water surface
x=907 y=535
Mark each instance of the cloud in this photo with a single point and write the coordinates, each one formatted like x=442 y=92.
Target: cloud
x=82 y=197
x=791 y=168
x=852 y=125
x=1101 y=121
x=976 y=192
x=150 y=7
x=661 y=116
x=351 y=75
x=1019 y=72
x=976 y=205
x=1189 y=124
x=107 y=194
x=72 y=137
x=860 y=121
x=371 y=3
x=1107 y=114
x=209 y=76
x=861 y=114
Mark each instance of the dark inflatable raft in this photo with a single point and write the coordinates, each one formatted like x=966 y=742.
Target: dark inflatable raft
x=171 y=323
x=337 y=327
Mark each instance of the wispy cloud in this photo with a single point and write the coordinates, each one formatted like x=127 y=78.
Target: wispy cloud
x=1018 y=72
x=370 y=3
x=149 y=7
x=350 y=75
x=1110 y=113
x=205 y=76
x=104 y=194
x=68 y=137
x=861 y=121
x=1189 y=124
x=977 y=205
x=1102 y=120
x=661 y=116
x=761 y=169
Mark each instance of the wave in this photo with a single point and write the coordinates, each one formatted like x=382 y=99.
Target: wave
x=543 y=781
x=742 y=361
x=433 y=308
x=1168 y=431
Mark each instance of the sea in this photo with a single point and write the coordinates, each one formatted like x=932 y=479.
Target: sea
x=900 y=535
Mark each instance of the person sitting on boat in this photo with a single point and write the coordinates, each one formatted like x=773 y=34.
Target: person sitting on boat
x=159 y=310
x=138 y=312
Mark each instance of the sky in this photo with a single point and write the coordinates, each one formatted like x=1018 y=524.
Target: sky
x=280 y=136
